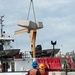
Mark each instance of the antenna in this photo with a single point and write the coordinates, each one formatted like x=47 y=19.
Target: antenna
x=53 y=43
x=1 y=22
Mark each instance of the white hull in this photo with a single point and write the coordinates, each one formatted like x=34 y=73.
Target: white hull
x=19 y=64
x=25 y=73
x=14 y=73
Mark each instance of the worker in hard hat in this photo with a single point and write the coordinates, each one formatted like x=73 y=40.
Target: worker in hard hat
x=34 y=70
x=43 y=70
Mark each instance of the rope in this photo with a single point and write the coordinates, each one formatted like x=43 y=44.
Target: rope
x=34 y=12
x=31 y=2
x=29 y=11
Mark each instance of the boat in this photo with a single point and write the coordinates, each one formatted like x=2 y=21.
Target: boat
x=15 y=62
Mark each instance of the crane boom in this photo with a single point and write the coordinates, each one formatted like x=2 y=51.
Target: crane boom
x=20 y=31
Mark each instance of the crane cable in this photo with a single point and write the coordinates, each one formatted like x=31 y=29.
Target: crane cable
x=31 y=2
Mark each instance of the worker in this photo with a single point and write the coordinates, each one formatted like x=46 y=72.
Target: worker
x=43 y=70
x=34 y=70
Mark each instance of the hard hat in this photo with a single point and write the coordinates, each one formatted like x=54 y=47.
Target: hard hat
x=34 y=63
x=41 y=66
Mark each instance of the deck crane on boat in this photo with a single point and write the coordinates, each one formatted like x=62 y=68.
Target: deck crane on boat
x=31 y=27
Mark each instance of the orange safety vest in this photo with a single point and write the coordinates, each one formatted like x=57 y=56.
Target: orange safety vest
x=42 y=71
x=32 y=72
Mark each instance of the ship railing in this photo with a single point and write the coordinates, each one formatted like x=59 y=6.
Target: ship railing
x=23 y=55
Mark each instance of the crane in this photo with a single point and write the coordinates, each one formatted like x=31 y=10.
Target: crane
x=31 y=27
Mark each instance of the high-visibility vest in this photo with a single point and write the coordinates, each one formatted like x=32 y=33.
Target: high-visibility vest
x=32 y=72
x=42 y=71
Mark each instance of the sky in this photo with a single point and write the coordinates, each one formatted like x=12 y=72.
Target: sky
x=58 y=17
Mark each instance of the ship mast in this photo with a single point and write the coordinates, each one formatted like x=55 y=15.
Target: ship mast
x=1 y=22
